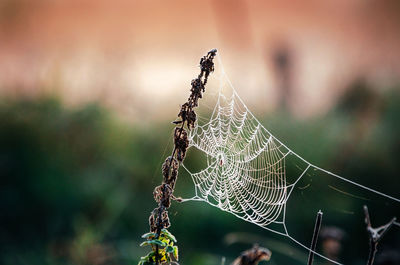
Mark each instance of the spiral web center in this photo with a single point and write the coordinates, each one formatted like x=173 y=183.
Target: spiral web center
x=246 y=170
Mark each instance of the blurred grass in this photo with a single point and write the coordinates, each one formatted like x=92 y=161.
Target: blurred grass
x=77 y=183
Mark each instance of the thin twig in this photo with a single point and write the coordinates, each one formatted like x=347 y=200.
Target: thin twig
x=375 y=235
x=314 y=240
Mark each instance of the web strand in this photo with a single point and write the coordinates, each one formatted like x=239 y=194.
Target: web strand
x=246 y=165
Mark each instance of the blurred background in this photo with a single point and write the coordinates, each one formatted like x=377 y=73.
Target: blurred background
x=89 y=87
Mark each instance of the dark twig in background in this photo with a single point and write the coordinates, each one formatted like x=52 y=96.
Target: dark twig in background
x=314 y=239
x=375 y=235
x=163 y=194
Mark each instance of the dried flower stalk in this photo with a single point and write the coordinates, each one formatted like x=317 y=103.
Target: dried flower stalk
x=163 y=194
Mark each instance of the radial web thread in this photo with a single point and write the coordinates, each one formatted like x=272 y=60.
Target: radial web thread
x=246 y=170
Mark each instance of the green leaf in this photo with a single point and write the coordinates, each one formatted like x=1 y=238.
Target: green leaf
x=165 y=240
x=175 y=253
x=145 y=260
x=169 y=249
x=150 y=260
x=167 y=234
x=153 y=242
x=163 y=256
x=149 y=235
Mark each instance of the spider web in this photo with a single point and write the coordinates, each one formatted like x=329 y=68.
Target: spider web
x=246 y=172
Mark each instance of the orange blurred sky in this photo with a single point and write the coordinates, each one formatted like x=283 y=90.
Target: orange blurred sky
x=133 y=55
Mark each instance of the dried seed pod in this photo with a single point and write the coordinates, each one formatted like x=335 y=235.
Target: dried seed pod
x=197 y=87
x=156 y=223
x=191 y=119
x=170 y=171
x=152 y=221
x=174 y=174
x=181 y=138
x=207 y=65
x=180 y=154
x=183 y=112
x=165 y=168
x=166 y=195
x=181 y=143
x=157 y=193
x=162 y=194
x=165 y=219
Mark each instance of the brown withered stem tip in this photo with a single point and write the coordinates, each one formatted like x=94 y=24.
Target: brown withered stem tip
x=164 y=193
x=253 y=256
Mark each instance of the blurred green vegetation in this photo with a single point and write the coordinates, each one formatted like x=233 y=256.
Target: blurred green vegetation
x=77 y=183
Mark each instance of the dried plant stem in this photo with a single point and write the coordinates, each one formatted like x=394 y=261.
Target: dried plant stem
x=375 y=235
x=164 y=193
x=314 y=239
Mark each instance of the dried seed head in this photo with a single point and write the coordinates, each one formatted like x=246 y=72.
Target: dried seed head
x=197 y=88
x=181 y=143
x=207 y=65
x=170 y=171
x=166 y=198
x=191 y=119
x=157 y=193
x=174 y=173
x=152 y=222
x=155 y=222
x=165 y=219
x=183 y=113
x=180 y=155
x=162 y=194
